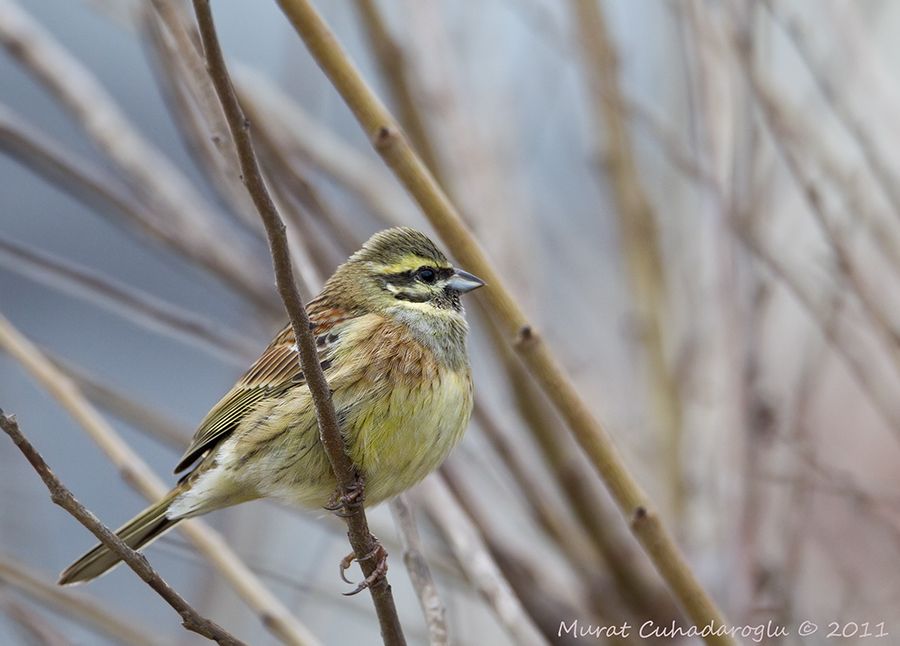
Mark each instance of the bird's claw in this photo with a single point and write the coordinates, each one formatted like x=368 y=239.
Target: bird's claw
x=381 y=567
x=345 y=504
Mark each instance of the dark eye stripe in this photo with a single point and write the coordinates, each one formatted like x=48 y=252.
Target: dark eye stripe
x=409 y=277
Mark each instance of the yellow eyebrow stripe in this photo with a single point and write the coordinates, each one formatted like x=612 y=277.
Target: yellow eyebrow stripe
x=409 y=264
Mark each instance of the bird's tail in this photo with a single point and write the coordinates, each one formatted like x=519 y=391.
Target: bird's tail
x=141 y=530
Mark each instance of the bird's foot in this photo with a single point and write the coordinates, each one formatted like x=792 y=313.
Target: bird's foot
x=345 y=504
x=379 y=554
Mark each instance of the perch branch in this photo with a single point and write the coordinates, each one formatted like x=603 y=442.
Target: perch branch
x=274 y=615
x=329 y=430
x=60 y=495
x=634 y=504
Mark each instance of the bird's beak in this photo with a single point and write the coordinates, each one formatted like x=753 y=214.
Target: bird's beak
x=463 y=281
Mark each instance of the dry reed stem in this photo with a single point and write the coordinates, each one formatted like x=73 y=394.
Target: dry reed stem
x=273 y=614
x=60 y=495
x=350 y=484
x=385 y=135
x=392 y=64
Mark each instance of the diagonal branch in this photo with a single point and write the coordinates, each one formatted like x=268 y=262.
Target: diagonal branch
x=364 y=544
x=390 y=143
x=59 y=494
x=274 y=615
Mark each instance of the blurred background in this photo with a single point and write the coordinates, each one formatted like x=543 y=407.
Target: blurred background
x=698 y=204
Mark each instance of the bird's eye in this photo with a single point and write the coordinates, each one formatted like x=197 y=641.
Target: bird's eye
x=426 y=275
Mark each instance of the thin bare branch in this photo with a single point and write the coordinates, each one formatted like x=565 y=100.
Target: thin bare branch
x=59 y=494
x=350 y=485
x=302 y=136
x=274 y=615
x=112 y=199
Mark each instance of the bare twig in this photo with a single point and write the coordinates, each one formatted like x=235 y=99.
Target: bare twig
x=419 y=572
x=138 y=415
x=274 y=615
x=78 y=607
x=385 y=135
x=59 y=494
x=349 y=484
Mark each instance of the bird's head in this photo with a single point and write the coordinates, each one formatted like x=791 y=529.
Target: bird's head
x=400 y=271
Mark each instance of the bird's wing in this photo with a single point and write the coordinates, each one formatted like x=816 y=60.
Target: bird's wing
x=275 y=372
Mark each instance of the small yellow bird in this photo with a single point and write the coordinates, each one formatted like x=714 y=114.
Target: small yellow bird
x=391 y=335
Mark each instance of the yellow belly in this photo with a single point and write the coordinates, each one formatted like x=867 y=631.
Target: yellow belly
x=395 y=436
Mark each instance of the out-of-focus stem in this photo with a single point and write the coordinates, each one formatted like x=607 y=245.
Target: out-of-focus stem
x=395 y=69
x=638 y=229
x=78 y=607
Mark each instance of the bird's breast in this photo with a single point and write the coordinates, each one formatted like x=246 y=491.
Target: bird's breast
x=410 y=430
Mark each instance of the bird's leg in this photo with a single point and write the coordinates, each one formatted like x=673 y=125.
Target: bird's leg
x=378 y=552
x=344 y=504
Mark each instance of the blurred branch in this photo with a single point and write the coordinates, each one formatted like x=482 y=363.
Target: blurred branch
x=60 y=495
x=570 y=537
x=545 y=597
x=394 y=67
x=301 y=135
x=638 y=228
x=419 y=573
x=140 y=307
x=148 y=172
x=877 y=165
x=476 y=562
x=77 y=607
x=140 y=416
x=367 y=549
x=385 y=135
x=99 y=190
x=274 y=615
x=882 y=402
x=34 y=628
x=777 y=119
x=181 y=76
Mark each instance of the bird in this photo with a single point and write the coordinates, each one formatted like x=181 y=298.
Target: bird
x=390 y=332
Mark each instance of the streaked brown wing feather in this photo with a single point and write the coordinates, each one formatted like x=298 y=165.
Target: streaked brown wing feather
x=275 y=372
